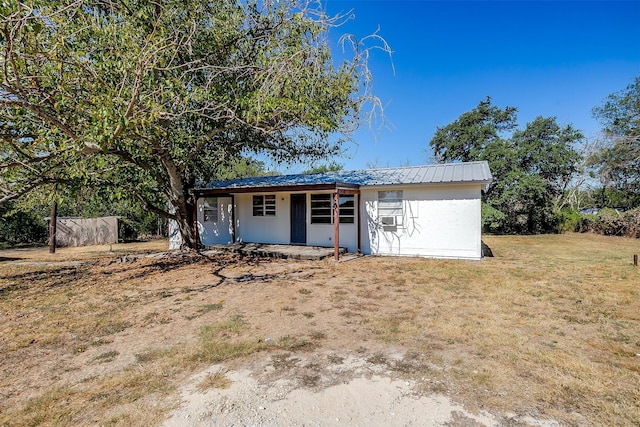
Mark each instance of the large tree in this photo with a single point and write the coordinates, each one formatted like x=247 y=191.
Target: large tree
x=531 y=167
x=148 y=98
x=617 y=162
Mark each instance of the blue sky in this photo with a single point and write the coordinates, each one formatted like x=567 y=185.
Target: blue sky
x=544 y=57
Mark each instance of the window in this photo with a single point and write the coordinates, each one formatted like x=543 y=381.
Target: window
x=322 y=209
x=346 y=209
x=390 y=203
x=210 y=209
x=264 y=205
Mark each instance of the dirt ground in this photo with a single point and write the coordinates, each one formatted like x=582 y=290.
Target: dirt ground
x=106 y=337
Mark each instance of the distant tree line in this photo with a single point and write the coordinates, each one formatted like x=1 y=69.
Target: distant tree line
x=547 y=175
x=23 y=222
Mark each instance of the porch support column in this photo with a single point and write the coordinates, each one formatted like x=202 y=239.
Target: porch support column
x=336 y=225
x=233 y=218
x=195 y=220
x=359 y=216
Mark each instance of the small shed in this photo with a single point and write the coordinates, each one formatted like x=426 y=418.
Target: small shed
x=86 y=231
x=430 y=211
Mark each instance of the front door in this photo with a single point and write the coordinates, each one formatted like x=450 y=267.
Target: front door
x=299 y=219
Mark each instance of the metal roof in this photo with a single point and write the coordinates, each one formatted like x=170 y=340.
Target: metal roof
x=448 y=173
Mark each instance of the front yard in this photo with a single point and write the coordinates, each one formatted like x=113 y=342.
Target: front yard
x=546 y=330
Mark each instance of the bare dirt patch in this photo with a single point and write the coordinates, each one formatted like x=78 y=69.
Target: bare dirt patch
x=545 y=333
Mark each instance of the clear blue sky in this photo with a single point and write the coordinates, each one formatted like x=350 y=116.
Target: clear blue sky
x=544 y=57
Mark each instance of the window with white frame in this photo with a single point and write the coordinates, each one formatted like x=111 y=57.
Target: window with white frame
x=264 y=205
x=322 y=209
x=210 y=209
x=390 y=204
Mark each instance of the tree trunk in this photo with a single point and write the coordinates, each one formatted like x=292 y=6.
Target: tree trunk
x=178 y=195
x=184 y=211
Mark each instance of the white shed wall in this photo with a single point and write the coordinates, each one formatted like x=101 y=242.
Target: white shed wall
x=441 y=222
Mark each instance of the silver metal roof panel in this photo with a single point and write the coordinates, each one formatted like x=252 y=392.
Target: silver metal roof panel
x=448 y=173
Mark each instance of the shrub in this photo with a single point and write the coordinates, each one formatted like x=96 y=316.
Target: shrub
x=608 y=222
x=573 y=221
x=22 y=228
x=632 y=223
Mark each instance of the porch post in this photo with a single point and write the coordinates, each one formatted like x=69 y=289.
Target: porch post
x=336 y=225
x=359 y=222
x=195 y=220
x=233 y=218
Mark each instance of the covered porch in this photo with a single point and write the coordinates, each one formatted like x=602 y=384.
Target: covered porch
x=298 y=219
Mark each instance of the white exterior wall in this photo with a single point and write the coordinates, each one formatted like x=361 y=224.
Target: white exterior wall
x=175 y=239
x=269 y=229
x=262 y=229
x=437 y=221
x=218 y=232
x=322 y=234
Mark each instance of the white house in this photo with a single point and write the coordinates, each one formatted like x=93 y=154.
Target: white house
x=430 y=211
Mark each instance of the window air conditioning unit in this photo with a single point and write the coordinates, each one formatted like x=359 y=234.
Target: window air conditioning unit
x=388 y=221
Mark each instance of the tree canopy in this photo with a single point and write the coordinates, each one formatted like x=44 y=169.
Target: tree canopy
x=331 y=166
x=531 y=167
x=474 y=131
x=145 y=99
x=617 y=162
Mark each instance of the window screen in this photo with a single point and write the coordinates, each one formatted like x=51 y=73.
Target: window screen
x=321 y=209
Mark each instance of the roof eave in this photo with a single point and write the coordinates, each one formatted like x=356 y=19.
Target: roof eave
x=431 y=184
x=276 y=188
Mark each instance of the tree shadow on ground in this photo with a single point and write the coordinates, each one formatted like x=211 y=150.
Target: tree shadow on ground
x=41 y=280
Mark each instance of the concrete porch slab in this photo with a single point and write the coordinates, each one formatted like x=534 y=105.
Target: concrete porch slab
x=312 y=253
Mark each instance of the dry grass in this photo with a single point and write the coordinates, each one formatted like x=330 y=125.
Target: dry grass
x=217 y=379
x=549 y=327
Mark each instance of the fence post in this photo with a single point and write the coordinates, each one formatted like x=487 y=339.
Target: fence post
x=53 y=223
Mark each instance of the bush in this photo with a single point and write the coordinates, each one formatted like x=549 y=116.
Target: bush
x=573 y=221
x=608 y=222
x=632 y=223
x=492 y=219
x=22 y=228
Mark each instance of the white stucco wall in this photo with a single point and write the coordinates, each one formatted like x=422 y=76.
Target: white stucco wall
x=441 y=222
x=215 y=232
x=262 y=229
x=322 y=234
x=268 y=229
x=437 y=221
